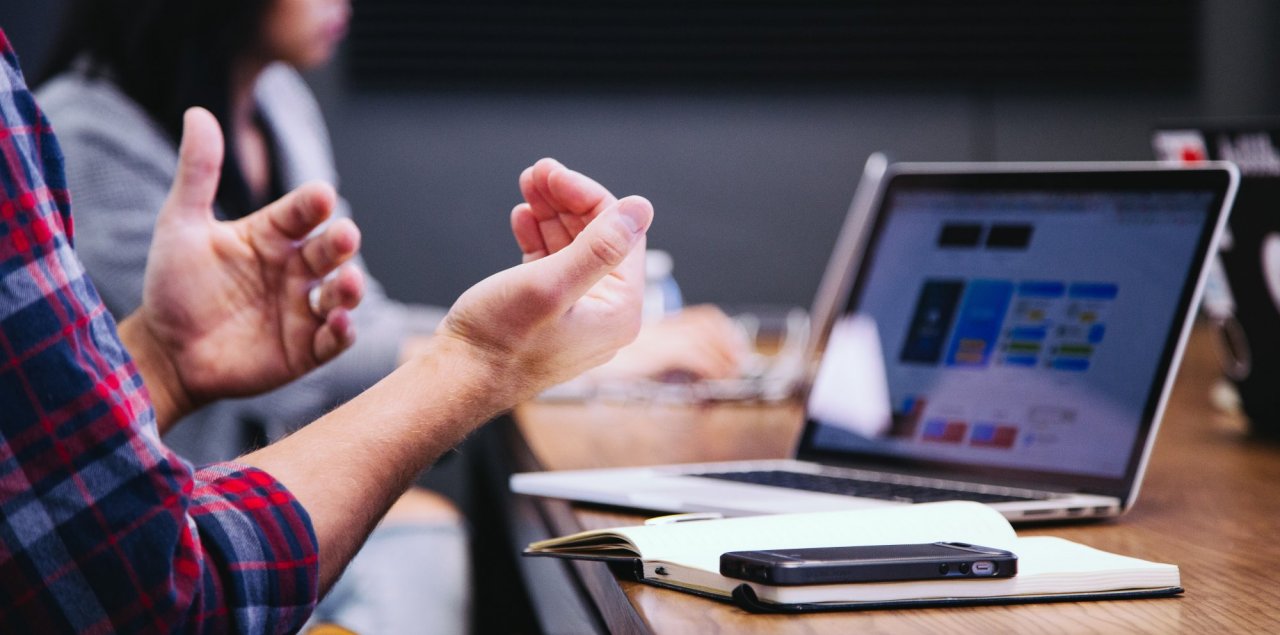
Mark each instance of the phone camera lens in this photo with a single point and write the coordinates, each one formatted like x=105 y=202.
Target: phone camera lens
x=944 y=568
x=964 y=568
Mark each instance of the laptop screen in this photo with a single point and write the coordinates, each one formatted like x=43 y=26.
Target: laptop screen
x=1019 y=324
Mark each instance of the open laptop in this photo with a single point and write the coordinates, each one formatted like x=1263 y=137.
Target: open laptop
x=1005 y=333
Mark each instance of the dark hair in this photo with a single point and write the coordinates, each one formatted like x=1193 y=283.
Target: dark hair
x=167 y=55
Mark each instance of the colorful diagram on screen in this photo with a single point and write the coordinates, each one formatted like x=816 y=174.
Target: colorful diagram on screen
x=980 y=434
x=1076 y=336
x=1030 y=320
x=1032 y=324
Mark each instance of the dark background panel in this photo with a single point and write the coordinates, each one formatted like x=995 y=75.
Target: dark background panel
x=746 y=122
x=432 y=42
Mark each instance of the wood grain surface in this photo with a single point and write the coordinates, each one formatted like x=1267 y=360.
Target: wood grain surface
x=1210 y=504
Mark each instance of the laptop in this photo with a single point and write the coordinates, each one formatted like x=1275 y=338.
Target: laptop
x=1004 y=333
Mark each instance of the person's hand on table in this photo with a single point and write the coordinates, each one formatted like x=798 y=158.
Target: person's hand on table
x=227 y=307
x=696 y=343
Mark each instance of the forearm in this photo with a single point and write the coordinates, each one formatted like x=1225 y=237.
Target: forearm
x=348 y=467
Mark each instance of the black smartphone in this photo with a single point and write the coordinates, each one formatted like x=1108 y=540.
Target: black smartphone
x=873 y=563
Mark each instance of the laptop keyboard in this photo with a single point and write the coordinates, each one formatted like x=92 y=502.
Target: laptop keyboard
x=867 y=489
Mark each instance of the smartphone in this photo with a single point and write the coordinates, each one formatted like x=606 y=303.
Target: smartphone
x=873 y=563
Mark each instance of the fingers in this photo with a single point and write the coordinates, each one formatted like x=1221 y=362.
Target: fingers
x=343 y=290
x=199 y=166
x=561 y=201
x=601 y=249
x=337 y=334
x=553 y=189
x=705 y=359
x=532 y=193
x=703 y=365
x=702 y=341
x=338 y=296
x=294 y=217
x=545 y=212
x=296 y=214
x=533 y=186
x=576 y=193
x=528 y=236
x=721 y=332
x=555 y=234
x=337 y=244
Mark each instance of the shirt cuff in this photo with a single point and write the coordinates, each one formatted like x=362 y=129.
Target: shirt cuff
x=264 y=546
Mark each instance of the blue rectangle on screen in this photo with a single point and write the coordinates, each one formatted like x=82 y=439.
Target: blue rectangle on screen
x=1041 y=289
x=978 y=326
x=1020 y=361
x=1071 y=363
x=1096 y=332
x=1094 y=291
x=1028 y=333
x=935 y=428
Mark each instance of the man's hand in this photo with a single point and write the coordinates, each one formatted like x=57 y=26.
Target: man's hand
x=700 y=342
x=227 y=307
x=577 y=297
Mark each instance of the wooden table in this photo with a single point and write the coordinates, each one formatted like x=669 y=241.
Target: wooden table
x=1210 y=504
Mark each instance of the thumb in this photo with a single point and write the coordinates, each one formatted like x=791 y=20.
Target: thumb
x=199 y=166
x=602 y=247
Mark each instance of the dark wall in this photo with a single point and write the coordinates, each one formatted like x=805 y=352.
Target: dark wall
x=750 y=187
x=750 y=190
x=29 y=24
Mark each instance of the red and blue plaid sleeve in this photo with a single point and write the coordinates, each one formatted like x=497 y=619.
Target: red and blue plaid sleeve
x=103 y=529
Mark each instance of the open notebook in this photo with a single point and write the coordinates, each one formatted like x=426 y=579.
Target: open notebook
x=685 y=556
x=1002 y=333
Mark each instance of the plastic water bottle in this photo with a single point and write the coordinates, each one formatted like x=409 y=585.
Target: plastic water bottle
x=661 y=293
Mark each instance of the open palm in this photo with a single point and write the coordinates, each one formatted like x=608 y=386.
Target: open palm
x=228 y=301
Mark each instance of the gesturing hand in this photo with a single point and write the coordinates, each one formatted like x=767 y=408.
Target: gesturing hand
x=577 y=297
x=701 y=342
x=559 y=203
x=225 y=307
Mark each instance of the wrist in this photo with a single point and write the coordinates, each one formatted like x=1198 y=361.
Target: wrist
x=487 y=379
x=169 y=397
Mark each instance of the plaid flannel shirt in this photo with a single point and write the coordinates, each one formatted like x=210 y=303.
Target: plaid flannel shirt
x=102 y=528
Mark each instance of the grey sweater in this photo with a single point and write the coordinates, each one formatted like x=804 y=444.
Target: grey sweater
x=120 y=164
